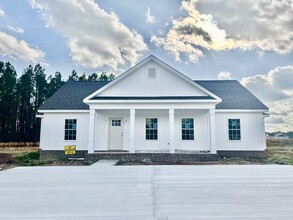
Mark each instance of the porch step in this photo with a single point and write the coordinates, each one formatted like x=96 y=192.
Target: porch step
x=105 y=163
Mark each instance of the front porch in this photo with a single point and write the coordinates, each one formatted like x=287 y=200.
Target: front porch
x=124 y=131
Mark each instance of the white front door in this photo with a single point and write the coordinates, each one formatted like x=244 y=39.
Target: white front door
x=116 y=134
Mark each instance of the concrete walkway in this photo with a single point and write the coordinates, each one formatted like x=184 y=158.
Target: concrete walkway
x=147 y=192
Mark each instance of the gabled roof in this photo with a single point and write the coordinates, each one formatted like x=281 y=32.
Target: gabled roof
x=71 y=94
x=161 y=63
x=234 y=96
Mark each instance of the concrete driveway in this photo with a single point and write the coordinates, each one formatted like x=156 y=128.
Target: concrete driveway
x=147 y=192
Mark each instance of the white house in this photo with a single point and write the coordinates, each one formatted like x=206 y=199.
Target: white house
x=153 y=108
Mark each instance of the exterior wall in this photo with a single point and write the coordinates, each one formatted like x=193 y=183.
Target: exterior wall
x=165 y=84
x=102 y=121
x=140 y=141
x=53 y=129
x=201 y=130
x=201 y=140
x=252 y=132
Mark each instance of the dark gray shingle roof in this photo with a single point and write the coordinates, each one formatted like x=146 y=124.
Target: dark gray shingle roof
x=70 y=96
x=234 y=96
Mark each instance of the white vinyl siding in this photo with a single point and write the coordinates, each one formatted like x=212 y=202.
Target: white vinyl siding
x=52 y=131
x=138 y=84
x=252 y=131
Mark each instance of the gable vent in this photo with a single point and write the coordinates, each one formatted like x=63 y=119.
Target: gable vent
x=152 y=73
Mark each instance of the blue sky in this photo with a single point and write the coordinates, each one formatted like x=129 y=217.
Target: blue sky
x=250 y=41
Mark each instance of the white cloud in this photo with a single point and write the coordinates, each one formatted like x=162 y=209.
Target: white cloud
x=277 y=84
x=149 y=18
x=19 y=49
x=95 y=38
x=265 y=25
x=224 y=75
x=281 y=118
x=276 y=89
x=15 y=29
x=2 y=13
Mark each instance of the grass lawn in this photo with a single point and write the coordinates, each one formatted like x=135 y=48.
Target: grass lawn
x=278 y=152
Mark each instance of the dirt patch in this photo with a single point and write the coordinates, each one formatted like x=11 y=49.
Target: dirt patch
x=6 y=159
x=222 y=161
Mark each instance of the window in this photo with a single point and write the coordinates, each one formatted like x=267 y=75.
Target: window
x=116 y=122
x=234 y=129
x=152 y=73
x=187 y=128
x=70 y=129
x=151 y=126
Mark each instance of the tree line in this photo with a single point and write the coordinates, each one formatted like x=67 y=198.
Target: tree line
x=21 y=97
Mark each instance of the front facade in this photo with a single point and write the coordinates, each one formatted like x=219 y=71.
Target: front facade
x=152 y=108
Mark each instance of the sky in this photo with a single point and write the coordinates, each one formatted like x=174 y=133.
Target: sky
x=245 y=40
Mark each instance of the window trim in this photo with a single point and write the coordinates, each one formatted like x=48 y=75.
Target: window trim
x=64 y=136
x=240 y=132
x=181 y=129
x=145 y=129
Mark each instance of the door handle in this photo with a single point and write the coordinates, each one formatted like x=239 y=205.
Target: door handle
x=121 y=134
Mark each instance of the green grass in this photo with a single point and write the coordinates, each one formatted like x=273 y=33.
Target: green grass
x=280 y=152
x=30 y=159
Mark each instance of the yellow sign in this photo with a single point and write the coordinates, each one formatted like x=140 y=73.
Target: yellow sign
x=71 y=149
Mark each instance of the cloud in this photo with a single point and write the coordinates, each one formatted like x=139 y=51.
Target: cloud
x=15 y=29
x=281 y=118
x=149 y=18
x=275 y=120
x=19 y=49
x=95 y=38
x=275 y=89
x=264 y=25
x=2 y=13
x=224 y=75
x=277 y=84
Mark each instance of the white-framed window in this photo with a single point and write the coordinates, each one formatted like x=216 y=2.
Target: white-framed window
x=151 y=129
x=234 y=129
x=70 y=129
x=187 y=128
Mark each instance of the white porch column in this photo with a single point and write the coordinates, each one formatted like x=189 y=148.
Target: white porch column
x=212 y=131
x=91 y=131
x=131 y=132
x=171 y=132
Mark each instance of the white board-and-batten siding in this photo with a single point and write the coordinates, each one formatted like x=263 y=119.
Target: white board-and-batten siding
x=252 y=130
x=201 y=122
x=164 y=83
x=53 y=131
x=252 y=127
